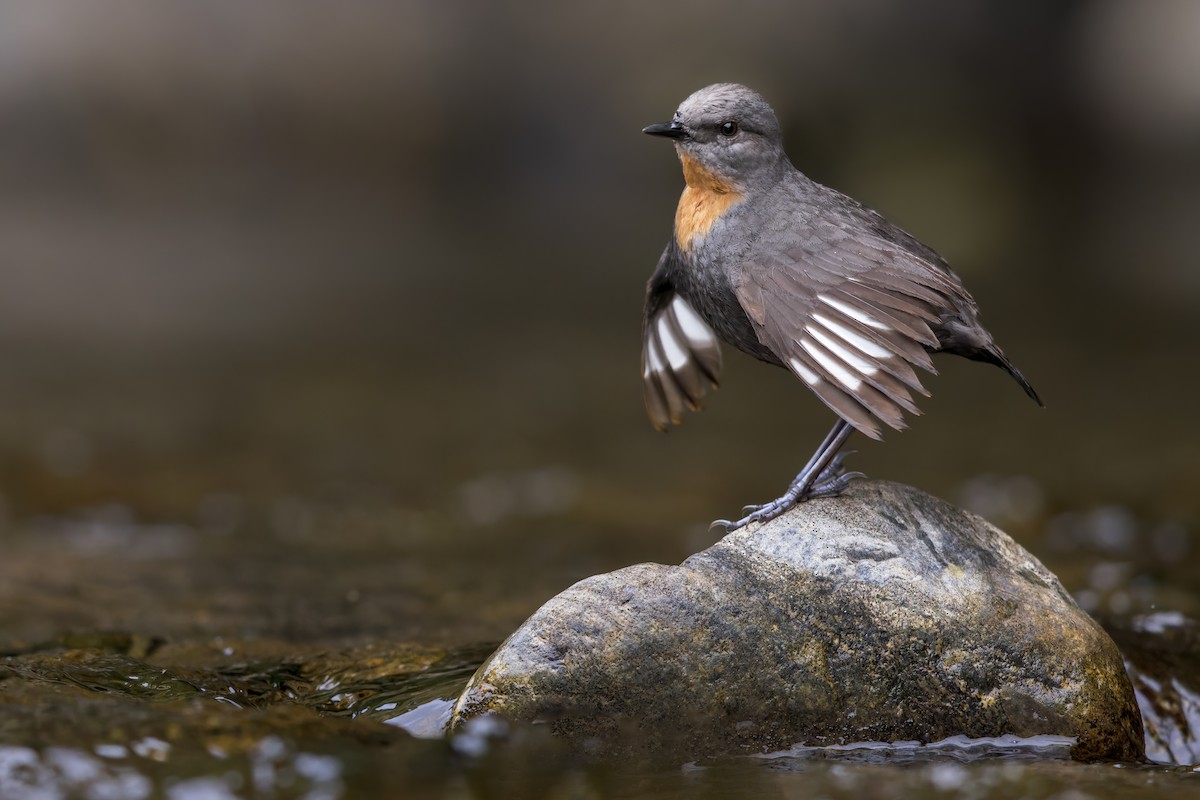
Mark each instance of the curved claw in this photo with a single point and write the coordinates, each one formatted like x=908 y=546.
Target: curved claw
x=730 y=527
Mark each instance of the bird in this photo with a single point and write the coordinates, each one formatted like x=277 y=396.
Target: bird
x=797 y=275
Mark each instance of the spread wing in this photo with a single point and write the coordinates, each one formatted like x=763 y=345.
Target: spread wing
x=848 y=307
x=681 y=358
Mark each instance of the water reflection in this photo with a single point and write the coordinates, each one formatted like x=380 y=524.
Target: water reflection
x=270 y=769
x=64 y=772
x=957 y=748
x=266 y=746
x=427 y=721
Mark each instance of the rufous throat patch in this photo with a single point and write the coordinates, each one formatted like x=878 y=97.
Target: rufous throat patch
x=705 y=198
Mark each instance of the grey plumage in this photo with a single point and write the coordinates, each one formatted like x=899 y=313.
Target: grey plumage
x=795 y=274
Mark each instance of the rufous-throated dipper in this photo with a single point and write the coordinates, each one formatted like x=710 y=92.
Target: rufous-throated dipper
x=797 y=275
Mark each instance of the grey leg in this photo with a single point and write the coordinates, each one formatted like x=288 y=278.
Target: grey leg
x=822 y=476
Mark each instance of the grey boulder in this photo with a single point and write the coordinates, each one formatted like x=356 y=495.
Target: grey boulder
x=882 y=615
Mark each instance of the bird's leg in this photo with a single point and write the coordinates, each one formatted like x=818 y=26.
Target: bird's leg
x=833 y=480
x=829 y=471
x=828 y=475
x=822 y=476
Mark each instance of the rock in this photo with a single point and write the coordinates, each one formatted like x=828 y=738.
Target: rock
x=881 y=615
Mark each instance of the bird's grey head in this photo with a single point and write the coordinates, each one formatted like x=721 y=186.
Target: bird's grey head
x=730 y=132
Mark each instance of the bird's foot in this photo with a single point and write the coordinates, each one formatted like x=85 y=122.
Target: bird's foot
x=830 y=482
x=836 y=470
x=833 y=486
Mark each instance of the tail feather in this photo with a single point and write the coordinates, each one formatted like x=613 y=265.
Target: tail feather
x=993 y=355
x=964 y=336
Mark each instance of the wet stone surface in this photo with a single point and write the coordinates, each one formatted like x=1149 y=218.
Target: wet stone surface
x=884 y=615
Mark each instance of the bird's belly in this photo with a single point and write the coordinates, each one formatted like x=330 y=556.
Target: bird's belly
x=707 y=289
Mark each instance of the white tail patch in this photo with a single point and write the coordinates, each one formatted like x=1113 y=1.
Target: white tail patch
x=832 y=365
x=855 y=340
x=854 y=360
x=673 y=351
x=694 y=328
x=853 y=313
x=806 y=374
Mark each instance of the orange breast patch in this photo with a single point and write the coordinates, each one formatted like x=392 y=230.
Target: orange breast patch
x=704 y=200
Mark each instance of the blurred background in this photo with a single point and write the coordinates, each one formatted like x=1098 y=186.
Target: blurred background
x=321 y=320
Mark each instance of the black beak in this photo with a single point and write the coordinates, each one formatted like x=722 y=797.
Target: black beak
x=672 y=130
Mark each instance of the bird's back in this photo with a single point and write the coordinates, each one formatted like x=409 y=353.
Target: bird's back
x=795 y=274
x=802 y=276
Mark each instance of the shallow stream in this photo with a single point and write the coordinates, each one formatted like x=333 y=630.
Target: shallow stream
x=291 y=589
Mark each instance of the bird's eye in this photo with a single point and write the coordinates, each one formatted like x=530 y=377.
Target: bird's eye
x=729 y=128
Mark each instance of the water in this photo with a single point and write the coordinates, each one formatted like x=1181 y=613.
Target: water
x=107 y=742
x=307 y=640
x=279 y=596
x=320 y=368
